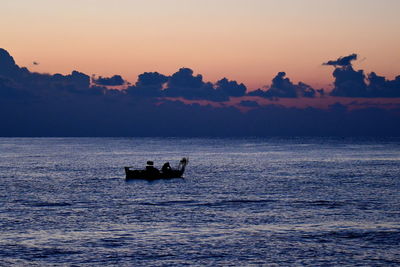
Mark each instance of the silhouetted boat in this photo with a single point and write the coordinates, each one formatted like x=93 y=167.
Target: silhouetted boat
x=151 y=173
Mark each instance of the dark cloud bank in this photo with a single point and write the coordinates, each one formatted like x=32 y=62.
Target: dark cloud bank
x=33 y=104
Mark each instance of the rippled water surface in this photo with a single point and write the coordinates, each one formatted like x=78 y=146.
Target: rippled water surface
x=318 y=202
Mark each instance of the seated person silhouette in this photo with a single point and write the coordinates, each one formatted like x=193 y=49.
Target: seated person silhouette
x=150 y=170
x=166 y=168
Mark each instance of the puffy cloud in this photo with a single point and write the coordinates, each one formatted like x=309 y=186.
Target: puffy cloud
x=283 y=87
x=306 y=90
x=231 y=88
x=78 y=79
x=184 y=84
x=149 y=84
x=349 y=83
x=379 y=86
x=151 y=79
x=184 y=78
x=354 y=83
x=109 y=81
x=8 y=68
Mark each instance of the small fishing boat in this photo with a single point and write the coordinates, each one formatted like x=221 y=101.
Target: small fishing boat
x=151 y=173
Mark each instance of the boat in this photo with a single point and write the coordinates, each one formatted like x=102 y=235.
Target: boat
x=151 y=173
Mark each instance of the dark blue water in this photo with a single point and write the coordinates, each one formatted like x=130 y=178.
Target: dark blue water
x=318 y=202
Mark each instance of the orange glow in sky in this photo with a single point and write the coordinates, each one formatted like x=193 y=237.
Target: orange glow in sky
x=245 y=40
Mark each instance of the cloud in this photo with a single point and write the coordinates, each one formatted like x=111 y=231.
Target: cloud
x=231 y=88
x=184 y=78
x=149 y=84
x=349 y=83
x=8 y=68
x=379 y=86
x=78 y=79
x=342 y=61
x=109 y=81
x=118 y=116
x=354 y=83
x=37 y=84
x=249 y=103
x=184 y=84
x=258 y=92
x=283 y=87
x=37 y=104
x=306 y=90
x=9 y=91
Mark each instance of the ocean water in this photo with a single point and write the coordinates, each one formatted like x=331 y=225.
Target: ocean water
x=243 y=202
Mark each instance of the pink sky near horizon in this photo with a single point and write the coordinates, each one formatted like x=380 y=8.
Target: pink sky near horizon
x=244 y=40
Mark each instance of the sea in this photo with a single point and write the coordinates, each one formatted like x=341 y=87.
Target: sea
x=242 y=202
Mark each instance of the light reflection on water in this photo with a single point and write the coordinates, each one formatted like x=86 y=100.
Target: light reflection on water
x=244 y=201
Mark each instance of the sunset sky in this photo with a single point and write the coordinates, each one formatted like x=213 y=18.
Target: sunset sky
x=245 y=40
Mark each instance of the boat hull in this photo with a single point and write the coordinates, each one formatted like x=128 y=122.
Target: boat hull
x=144 y=175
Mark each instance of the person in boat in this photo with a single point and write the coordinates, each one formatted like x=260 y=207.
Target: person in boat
x=150 y=170
x=166 y=168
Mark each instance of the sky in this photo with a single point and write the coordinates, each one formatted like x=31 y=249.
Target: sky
x=244 y=40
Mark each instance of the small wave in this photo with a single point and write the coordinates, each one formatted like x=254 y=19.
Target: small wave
x=30 y=253
x=47 y=204
x=323 y=203
x=249 y=201
x=114 y=242
x=209 y=204
x=168 y=203
x=234 y=202
x=389 y=237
